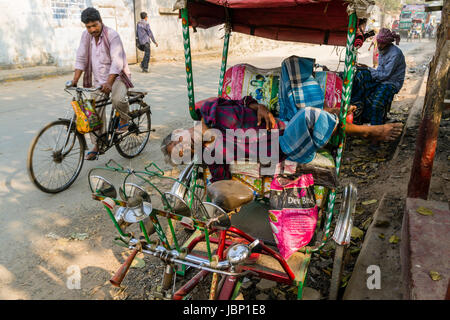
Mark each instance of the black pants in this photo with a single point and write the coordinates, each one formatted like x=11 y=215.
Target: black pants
x=145 y=61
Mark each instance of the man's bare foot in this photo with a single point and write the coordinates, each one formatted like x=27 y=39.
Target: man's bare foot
x=386 y=132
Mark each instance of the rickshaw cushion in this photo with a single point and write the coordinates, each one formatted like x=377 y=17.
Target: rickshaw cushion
x=246 y=80
x=263 y=85
x=229 y=194
x=322 y=167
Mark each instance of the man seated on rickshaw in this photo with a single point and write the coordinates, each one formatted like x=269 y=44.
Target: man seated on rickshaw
x=374 y=89
x=306 y=124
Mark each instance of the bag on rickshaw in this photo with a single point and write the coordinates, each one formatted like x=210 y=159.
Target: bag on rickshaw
x=87 y=119
x=293 y=217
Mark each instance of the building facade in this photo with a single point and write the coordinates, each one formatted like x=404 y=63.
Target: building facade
x=47 y=32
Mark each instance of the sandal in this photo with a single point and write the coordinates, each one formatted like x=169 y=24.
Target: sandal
x=94 y=157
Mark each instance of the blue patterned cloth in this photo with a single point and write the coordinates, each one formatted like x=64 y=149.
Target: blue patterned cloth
x=298 y=88
x=301 y=102
x=371 y=97
x=309 y=130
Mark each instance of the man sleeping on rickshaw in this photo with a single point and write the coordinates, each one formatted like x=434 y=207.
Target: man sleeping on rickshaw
x=304 y=124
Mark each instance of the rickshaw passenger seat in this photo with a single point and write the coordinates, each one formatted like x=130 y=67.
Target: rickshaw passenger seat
x=229 y=194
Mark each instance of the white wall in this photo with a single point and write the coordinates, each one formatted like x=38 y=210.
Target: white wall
x=46 y=32
x=168 y=32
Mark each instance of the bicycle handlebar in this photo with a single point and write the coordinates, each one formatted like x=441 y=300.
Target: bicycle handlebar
x=69 y=87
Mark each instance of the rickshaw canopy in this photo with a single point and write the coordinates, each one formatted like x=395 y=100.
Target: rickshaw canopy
x=309 y=21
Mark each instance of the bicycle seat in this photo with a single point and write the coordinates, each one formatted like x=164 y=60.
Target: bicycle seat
x=229 y=194
x=134 y=96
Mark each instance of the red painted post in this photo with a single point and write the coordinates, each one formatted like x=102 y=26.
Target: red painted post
x=419 y=182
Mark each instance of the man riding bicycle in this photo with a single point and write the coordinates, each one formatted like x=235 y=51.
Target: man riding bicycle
x=102 y=55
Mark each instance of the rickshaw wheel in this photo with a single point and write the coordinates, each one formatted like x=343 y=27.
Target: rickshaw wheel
x=338 y=266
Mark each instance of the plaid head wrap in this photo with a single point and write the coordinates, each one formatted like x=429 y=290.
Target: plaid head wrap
x=387 y=36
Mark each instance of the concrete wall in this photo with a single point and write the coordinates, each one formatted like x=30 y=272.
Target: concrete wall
x=47 y=32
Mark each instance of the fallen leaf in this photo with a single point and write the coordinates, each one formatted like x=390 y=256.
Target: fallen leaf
x=394 y=239
x=365 y=225
x=424 y=211
x=435 y=276
x=355 y=250
x=381 y=235
x=327 y=272
x=344 y=280
x=357 y=233
x=138 y=263
x=359 y=210
x=382 y=224
x=369 y=202
x=53 y=236
x=79 y=236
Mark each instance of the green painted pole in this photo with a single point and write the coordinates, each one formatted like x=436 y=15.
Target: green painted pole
x=350 y=60
x=223 y=68
x=188 y=62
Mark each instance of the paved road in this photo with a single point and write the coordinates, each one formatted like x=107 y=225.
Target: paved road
x=33 y=265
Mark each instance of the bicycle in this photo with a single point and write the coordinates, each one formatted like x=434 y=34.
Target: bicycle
x=56 y=154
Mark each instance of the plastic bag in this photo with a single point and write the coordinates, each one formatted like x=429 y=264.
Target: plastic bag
x=292 y=228
x=296 y=193
x=294 y=215
x=87 y=119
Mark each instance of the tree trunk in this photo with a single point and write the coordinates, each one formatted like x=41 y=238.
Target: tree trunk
x=421 y=171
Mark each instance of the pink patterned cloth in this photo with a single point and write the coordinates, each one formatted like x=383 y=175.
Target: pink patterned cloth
x=387 y=36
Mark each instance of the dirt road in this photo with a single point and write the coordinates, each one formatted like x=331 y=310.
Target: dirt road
x=45 y=238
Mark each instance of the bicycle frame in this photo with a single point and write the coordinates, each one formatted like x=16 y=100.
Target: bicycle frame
x=109 y=138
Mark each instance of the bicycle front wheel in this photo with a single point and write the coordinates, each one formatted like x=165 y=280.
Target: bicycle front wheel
x=55 y=157
x=136 y=138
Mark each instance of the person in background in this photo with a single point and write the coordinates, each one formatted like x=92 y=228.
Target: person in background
x=144 y=34
x=102 y=55
x=374 y=89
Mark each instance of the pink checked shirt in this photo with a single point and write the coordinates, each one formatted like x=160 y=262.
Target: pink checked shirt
x=103 y=64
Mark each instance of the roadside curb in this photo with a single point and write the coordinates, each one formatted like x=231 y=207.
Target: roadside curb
x=32 y=73
x=357 y=286
x=40 y=72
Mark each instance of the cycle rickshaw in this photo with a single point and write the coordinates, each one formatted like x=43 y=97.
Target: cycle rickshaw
x=221 y=244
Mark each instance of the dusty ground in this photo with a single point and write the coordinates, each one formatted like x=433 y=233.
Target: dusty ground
x=46 y=235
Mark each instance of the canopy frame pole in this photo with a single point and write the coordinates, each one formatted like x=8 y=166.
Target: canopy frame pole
x=226 y=42
x=350 y=61
x=188 y=62
x=223 y=68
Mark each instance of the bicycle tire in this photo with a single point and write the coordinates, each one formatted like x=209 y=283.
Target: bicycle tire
x=30 y=167
x=127 y=155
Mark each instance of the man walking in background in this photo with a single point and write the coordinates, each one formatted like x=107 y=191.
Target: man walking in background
x=144 y=34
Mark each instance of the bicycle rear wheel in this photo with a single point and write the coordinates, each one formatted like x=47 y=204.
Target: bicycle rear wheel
x=55 y=157
x=136 y=138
